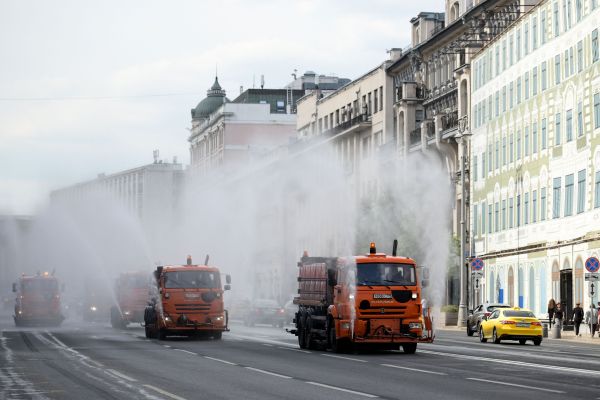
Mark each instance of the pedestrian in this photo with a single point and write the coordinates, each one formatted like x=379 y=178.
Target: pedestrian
x=577 y=317
x=551 y=308
x=593 y=319
x=558 y=316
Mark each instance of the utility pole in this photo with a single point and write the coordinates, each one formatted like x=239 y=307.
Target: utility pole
x=461 y=139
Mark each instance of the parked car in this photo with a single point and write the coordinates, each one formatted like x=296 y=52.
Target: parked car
x=265 y=311
x=483 y=310
x=511 y=324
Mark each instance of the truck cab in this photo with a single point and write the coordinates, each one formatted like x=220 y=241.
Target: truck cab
x=37 y=300
x=131 y=292
x=189 y=301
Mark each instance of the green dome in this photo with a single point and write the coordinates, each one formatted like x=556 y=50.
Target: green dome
x=215 y=97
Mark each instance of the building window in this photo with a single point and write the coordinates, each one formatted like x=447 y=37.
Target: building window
x=380 y=98
x=490 y=159
x=496 y=217
x=483 y=165
x=543 y=27
x=534 y=134
x=483 y=218
x=580 y=119
x=569 y=195
x=544 y=135
x=556 y=20
x=568 y=5
x=566 y=64
x=569 y=123
x=518 y=45
x=556 y=198
x=504 y=54
x=526 y=209
x=526 y=85
x=504 y=99
x=526 y=151
x=534 y=32
x=497 y=153
x=504 y=214
x=490 y=218
x=511 y=50
x=519 y=91
x=580 y=56
x=511 y=94
x=543 y=204
x=518 y=145
x=534 y=207
x=557 y=129
x=571 y=61
x=597 y=110
x=518 y=210
x=497 y=104
x=544 y=76
x=376 y=101
x=578 y=9
x=534 y=81
x=475 y=168
x=504 y=150
x=557 y=69
x=597 y=190
x=510 y=148
x=595 y=52
x=526 y=39
x=475 y=211
x=510 y=212
x=581 y=191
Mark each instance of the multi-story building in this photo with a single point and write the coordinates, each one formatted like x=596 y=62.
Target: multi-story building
x=535 y=181
x=150 y=192
x=431 y=92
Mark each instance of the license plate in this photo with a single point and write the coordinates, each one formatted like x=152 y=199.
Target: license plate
x=192 y=295
x=522 y=324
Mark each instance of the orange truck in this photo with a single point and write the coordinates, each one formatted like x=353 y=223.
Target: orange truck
x=38 y=300
x=189 y=302
x=373 y=300
x=131 y=295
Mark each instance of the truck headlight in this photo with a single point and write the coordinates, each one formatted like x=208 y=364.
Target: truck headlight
x=126 y=313
x=414 y=325
x=167 y=319
x=219 y=318
x=414 y=295
x=93 y=308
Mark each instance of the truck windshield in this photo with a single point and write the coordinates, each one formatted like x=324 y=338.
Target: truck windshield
x=192 y=279
x=40 y=285
x=385 y=274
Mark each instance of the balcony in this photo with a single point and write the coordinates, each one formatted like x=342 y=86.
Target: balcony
x=450 y=121
x=344 y=126
x=410 y=91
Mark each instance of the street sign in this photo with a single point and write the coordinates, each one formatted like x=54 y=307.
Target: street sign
x=592 y=277
x=477 y=264
x=477 y=274
x=592 y=264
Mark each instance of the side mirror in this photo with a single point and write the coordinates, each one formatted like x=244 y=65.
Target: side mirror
x=14 y=287
x=228 y=279
x=227 y=287
x=484 y=318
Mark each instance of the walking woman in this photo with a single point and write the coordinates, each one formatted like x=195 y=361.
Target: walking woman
x=551 y=308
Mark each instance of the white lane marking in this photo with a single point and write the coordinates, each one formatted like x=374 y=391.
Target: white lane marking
x=167 y=346
x=513 y=363
x=342 y=389
x=159 y=390
x=219 y=360
x=292 y=349
x=186 y=351
x=268 y=345
x=72 y=351
x=344 y=358
x=516 y=385
x=260 y=340
x=262 y=371
x=414 y=369
x=120 y=375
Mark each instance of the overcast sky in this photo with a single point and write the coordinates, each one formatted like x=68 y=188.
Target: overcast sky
x=88 y=87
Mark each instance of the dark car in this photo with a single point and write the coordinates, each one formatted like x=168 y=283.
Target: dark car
x=265 y=311
x=483 y=310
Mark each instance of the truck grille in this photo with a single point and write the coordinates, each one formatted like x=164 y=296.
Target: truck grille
x=396 y=310
x=192 y=308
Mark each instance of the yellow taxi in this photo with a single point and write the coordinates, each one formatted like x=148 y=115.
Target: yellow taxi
x=511 y=324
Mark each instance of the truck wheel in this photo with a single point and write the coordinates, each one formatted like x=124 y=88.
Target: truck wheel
x=217 y=335
x=148 y=332
x=334 y=344
x=409 y=348
x=161 y=334
x=309 y=342
x=301 y=336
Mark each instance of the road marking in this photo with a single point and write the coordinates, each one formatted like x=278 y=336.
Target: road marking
x=120 y=375
x=344 y=358
x=342 y=389
x=260 y=340
x=159 y=390
x=186 y=351
x=268 y=345
x=219 y=360
x=262 y=371
x=292 y=349
x=414 y=369
x=554 y=368
x=167 y=346
x=516 y=385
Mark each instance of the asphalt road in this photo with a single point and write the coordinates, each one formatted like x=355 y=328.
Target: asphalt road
x=94 y=361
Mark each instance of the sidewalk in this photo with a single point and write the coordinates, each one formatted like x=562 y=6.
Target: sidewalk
x=565 y=335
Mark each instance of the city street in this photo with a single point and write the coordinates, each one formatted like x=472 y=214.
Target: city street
x=77 y=361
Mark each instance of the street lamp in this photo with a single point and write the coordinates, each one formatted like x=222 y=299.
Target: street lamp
x=462 y=139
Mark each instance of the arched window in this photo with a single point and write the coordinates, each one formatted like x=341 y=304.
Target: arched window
x=555 y=281
x=454 y=11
